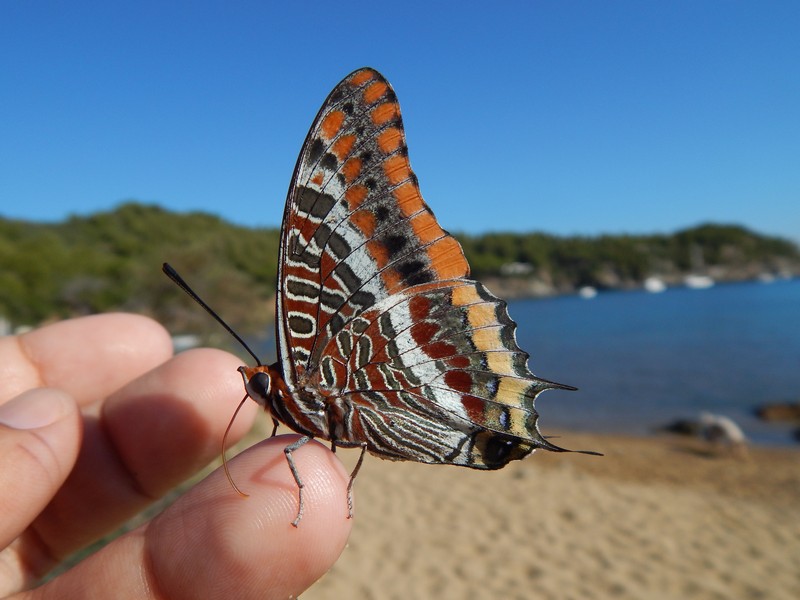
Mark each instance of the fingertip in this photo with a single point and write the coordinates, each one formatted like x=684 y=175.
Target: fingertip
x=217 y=386
x=142 y=342
x=250 y=543
x=90 y=357
x=39 y=442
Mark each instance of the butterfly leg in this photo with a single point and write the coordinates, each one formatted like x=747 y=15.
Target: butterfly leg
x=288 y=452
x=275 y=424
x=352 y=479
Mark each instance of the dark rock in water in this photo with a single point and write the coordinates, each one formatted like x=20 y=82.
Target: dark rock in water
x=681 y=427
x=779 y=411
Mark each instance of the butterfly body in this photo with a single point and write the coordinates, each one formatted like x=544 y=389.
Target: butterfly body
x=384 y=341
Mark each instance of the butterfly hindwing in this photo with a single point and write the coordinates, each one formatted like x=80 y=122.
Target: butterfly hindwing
x=435 y=365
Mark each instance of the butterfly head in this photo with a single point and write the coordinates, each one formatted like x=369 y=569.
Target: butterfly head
x=260 y=383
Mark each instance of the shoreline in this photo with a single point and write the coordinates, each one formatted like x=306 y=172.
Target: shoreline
x=653 y=518
x=530 y=288
x=779 y=438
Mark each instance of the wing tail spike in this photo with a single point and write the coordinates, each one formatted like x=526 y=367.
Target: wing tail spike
x=553 y=385
x=548 y=445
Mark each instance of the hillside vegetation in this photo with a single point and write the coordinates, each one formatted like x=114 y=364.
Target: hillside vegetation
x=112 y=261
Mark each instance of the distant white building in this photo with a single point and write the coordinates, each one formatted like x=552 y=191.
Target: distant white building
x=516 y=268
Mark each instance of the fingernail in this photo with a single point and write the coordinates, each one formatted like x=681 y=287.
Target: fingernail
x=33 y=409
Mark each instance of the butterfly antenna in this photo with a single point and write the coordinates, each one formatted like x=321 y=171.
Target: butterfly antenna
x=225 y=460
x=179 y=281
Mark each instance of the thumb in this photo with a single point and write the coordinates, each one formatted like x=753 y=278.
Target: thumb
x=40 y=432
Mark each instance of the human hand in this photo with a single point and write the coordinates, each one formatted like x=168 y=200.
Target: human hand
x=98 y=420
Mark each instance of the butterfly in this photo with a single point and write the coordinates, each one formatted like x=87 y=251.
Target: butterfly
x=384 y=342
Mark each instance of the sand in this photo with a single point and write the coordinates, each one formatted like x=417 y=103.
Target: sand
x=655 y=518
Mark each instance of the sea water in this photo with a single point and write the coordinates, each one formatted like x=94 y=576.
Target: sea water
x=642 y=360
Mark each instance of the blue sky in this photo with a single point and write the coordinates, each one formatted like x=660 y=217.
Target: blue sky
x=565 y=116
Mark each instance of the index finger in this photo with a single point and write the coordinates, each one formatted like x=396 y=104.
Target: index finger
x=88 y=357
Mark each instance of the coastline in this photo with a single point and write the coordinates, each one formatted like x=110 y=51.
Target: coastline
x=531 y=288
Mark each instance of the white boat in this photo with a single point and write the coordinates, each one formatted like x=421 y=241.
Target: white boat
x=766 y=278
x=654 y=285
x=587 y=292
x=698 y=282
x=694 y=281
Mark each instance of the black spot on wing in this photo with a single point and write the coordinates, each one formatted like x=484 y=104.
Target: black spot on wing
x=315 y=150
x=301 y=325
x=313 y=203
x=413 y=272
x=382 y=213
x=395 y=243
x=329 y=162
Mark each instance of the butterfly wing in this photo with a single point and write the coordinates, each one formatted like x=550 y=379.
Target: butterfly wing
x=434 y=374
x=356 y=229
x=375 y=310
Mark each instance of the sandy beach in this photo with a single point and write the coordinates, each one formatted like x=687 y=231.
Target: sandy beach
x=654 y=518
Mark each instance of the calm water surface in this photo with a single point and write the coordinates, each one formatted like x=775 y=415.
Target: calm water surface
x=642 y=359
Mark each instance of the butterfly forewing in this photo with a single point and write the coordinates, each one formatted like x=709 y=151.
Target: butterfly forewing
x=356 y=228
x=380 y=331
